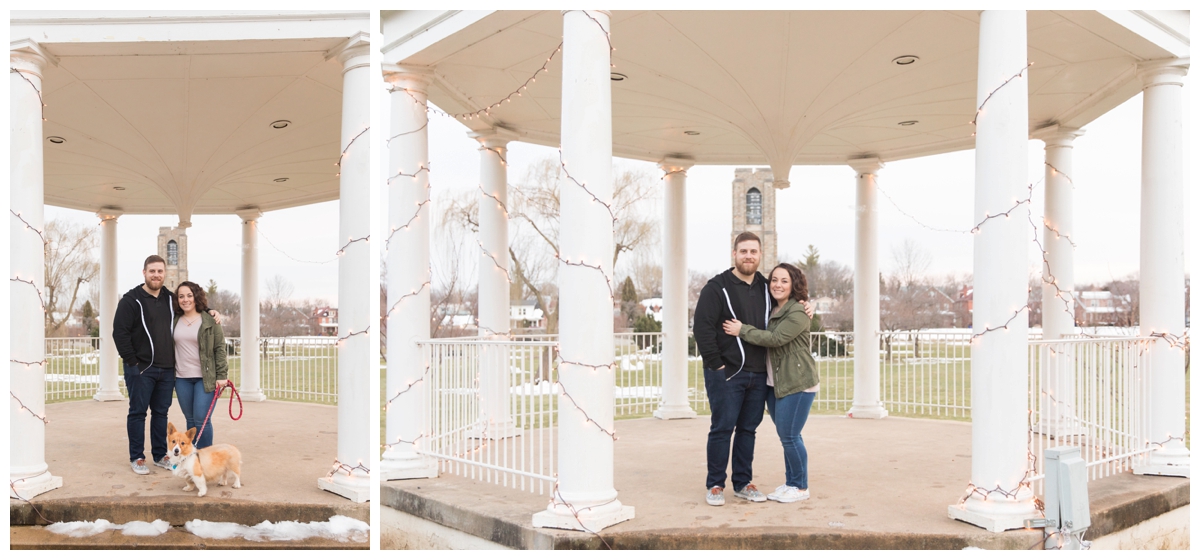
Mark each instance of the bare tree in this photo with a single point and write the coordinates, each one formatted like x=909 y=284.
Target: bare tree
x=70 y=263
x=279 y=289
x=910 y=262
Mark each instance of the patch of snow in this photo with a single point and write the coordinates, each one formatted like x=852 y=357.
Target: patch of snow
x=90 y=528
x=339 y=528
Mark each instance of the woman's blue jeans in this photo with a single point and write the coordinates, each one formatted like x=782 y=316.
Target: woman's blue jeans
x=790 y=413
x=194 y=401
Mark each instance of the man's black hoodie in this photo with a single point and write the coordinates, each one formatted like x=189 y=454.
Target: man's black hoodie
x=143 y=328
x=727 y=297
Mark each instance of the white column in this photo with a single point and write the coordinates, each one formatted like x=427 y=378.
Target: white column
x=494 y=282
x=585 y=490
x=28 y=473
x=251 y=389
x=997 y=499
x=674 y=403
x=867 y=403
x=408 y=276
x=110 y=361
x=1058 y=417
x=1162 y=270
x=351 y=474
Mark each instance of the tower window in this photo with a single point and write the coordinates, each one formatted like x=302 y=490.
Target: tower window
x=754 y=207
x=172 y=252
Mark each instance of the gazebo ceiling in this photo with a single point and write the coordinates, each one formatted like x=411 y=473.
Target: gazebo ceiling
x=187 y=127
x=779 y=88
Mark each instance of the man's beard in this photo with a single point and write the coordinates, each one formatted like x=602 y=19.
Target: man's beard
x=154 y=284
x=747 y=268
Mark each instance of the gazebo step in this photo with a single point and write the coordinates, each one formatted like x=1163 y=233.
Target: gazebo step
x=38 y=538
x=177 y=510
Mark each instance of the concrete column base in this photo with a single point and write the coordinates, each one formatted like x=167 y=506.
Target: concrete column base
x=675 y=412
x=1010 y=516
x=34 y=486
x=356 y=488
x=495 y=431
x=253 y=396
x=1167 y=462
x=106 y=396
x=558 y=516
x=869 y=412
x=406 y=468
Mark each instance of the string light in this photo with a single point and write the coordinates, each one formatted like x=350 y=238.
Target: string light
x=403 y=174
x=1001 y=327
x=583 y=186
x=348 y=144
x=342 y=339
x=12 y=484
x=407 y=224
x=284 y=253
x=607 y=37
x=1175 y=341
x=499 y=154
x=555 y=493
x=507 y=278
x=414 y=131
x=41 y=362
x=607 y=280
x=586 y=417
x=487 y=110
x=993 y=92
x=35 y=89
x=339 y=466
x=913 y=218
x=406 y=389
x=27 y=409
x=1056 y=171
x=29 y=226
x=1006 y=213
x=399 y=441
x=408 y=295
x=503 y=207
x=1024 y=483
x=364 y=239
x=41 y=301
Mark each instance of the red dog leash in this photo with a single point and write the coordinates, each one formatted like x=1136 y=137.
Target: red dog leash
x=216 y=398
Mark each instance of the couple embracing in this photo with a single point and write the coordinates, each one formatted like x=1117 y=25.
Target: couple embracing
x=169 y=342
x=753 y=334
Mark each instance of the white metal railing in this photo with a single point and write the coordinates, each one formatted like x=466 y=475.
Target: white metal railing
x=926 y=373
x=1093 y=393
x=290 y=368
x=638 y=373
x=510 y=442
x=73 y=368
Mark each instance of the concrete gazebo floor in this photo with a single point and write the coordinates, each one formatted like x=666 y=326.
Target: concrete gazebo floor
x=876 y=484
x=285 y=448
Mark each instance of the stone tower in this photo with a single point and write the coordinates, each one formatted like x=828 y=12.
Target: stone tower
x=754 y=211
x=172 y=247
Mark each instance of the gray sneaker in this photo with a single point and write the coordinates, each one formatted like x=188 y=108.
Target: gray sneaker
x=164 y=463
x=715 y=496
x=139 y=466
x=750 y=492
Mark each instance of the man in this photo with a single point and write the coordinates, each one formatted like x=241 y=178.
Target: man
x=735 y=373
x=143 y=331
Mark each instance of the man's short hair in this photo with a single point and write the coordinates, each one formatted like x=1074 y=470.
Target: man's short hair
x=746 y=236
x=153 y=259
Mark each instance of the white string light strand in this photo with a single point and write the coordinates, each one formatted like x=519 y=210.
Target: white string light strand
x=284 y=253
x=406 y=389
x=364 y=239
x=913 y=218
x=413 y=175
x=339 y=466
x=41 y=300
x=489 y=255
x=413 y=131
x=29 y=226
x=25 y=408
x=556 y=493
x=583 y=186
x=587 y=418
x=347 y=148
x=41 y=101
x=979 y=111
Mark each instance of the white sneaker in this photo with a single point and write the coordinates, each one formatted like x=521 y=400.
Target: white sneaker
x=789 y=494
x=715 y=496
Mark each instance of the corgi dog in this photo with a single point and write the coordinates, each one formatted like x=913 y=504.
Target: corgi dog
x=218 y=463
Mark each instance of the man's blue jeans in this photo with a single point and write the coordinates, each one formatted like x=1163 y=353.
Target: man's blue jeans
x=790 y=414
x=148 y=389
x=194 y=401
x=737 y=410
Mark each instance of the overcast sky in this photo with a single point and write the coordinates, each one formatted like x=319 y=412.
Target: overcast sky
x=817 y=210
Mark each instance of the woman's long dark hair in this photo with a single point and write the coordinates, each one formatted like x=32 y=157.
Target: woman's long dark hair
x=197 y=294
x=799 y=283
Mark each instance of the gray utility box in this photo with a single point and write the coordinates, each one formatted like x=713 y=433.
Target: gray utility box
x=1066 y=490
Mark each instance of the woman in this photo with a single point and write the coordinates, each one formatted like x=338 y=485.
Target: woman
x=792 y=372
x=200 y=364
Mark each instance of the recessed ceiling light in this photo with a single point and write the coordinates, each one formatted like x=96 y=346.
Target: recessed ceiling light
x=692 y=132
x=618 y=77
x=56 y=139
x=281 y=180
x=905 y=60
x=280 y=124
x=906 y=123
x=118 y=188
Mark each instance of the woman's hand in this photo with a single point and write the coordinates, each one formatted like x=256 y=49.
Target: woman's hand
x=809 y=308
x=223 y=383
x=733 y=327
x=216 y=315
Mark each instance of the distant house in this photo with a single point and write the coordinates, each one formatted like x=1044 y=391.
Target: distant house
x=823 y=305
x=456 y=315
x=1100 y=307
x=526 y=314
x=325 y=321
x=654 y=307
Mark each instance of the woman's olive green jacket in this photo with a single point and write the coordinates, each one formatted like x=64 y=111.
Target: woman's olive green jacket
x=788 y=342
x=213 y=364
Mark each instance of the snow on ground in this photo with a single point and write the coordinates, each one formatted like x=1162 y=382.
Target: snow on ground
x=339 y=528
x=546 y=388
x=90 y=528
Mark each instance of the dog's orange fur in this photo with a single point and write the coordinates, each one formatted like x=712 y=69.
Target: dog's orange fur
x=215 y=463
